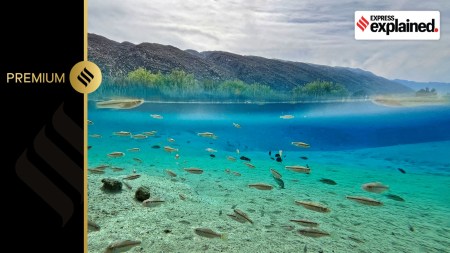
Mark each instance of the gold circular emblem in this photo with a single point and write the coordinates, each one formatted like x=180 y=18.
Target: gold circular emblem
x=85 y=77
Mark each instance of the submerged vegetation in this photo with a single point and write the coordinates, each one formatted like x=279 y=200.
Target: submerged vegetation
x=179 y=85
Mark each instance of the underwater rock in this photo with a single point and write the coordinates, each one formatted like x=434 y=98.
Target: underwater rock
x=142 y=193
x=112 y=185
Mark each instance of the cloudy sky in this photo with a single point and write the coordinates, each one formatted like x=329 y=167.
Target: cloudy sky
x=314 y=31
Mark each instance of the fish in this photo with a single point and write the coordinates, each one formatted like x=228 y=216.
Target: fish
x=89 y=147
x=236 y=125
x=411 y=228
x=194 y=170
x=261 y=186
x=270 y=153
x=251 y=166
x=298 y=168
x=139 y=136
x=131 y=177
x=211 y=150
x=127 y=185
x=156 y=116
x=170 y=173
x=116 y=154
x=236 y=173
x=313 y=206
x=306 y=223
x=230 y=158
x=170 y=139
x=120 y=103
x=212 y=155
x=137 y=159
x=97 y=171
x=227 y=170
x=116 y=169
x=365 y=201
x=242 y=215
x=156 y=147
x=237 y=218
x=328 y=181
x=152 y=202
x=101 y=167
x=95 y=136
x=206 y=232
x=151 y=133
x=133 y=149
x=170 y=149
x=275 y=173
x=121 y=246
x=90 y=122
x=177 y=156
x=401 y=170
x=207 y=135
x=122 y=133
x=375 y=187
x=311 y=232
x=394 y=197
x=93 y=226
x=280 y=153
x=182 y=196
x=279 y=159
x=280 y=182
x=245 y=158
x=304 y=157
x=300 y=144
x=288 y=116
x=237 y=151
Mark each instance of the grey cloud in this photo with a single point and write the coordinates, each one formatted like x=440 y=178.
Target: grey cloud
x=315 y=31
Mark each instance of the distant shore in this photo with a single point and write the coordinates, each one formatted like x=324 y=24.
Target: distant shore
x=410 y=101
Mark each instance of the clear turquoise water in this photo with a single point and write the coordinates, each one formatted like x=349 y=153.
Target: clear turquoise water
x=351 y=143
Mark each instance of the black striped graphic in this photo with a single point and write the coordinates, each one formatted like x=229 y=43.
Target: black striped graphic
x=85 y=77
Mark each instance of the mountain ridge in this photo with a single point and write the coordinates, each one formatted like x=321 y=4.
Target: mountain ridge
x=119 y=58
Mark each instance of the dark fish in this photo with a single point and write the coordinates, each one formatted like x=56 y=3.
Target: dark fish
x=212 y=155
x=279 y=159
x=280 y=182
x=328 y=181
x=401 y=170
x=394 y=197
x=270 y=153
x=156 y=146
x=277 y=155
x=245 y=158
x=411 y=228
x=272 y=158
x=304 y=157
x=89 y=147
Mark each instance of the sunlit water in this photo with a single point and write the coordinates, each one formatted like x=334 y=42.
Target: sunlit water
x=351 y=143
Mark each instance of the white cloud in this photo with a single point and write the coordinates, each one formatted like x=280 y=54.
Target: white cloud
x=315 y=31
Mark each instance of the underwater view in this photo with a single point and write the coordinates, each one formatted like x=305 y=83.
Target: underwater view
x=268 y=177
